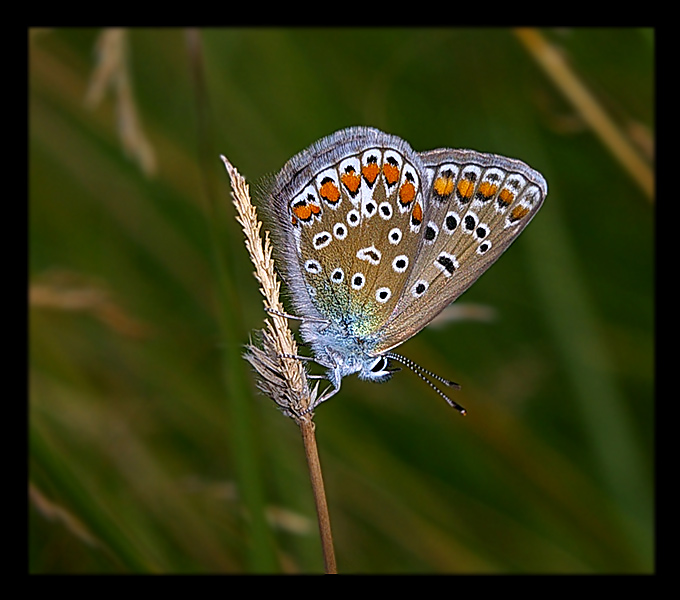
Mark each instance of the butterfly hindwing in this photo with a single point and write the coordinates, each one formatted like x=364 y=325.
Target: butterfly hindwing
x=475 y=207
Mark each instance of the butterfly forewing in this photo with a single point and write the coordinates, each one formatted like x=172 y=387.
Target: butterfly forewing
x=475 y=207
x=356 y=225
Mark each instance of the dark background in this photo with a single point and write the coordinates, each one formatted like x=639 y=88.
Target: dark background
x=149 y=449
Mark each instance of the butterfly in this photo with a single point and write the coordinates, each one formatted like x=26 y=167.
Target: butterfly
x=374 y=240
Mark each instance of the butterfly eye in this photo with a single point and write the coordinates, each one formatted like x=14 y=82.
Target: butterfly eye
x=379 y=365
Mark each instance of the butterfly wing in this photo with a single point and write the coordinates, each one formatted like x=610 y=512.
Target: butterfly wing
x=475 y=206
x=349 y=211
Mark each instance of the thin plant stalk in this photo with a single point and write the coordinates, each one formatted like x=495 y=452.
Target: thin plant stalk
x=281 y=376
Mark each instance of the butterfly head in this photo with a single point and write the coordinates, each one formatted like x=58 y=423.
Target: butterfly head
x=345 y=355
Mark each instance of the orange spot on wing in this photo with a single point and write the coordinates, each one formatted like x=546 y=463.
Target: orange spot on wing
x=506 y=197
x=518 y=212
x=351 y=181
x=487 y=189
x=465 y=188
x=417 y=214
x=391 y=173
x=315 y=209
x=370 y=172
x=330 y=192
x=302 y=212
x=443 y=186
x=407 y=193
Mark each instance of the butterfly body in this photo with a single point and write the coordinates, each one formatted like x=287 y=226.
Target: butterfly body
x=375 y=239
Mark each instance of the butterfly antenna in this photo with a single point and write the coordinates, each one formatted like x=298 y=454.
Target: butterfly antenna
x=417 y=368
x=421 y=372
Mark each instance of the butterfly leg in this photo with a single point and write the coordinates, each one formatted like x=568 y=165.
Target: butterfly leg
x=328 y=393
x=333 y=376
x=335 y=379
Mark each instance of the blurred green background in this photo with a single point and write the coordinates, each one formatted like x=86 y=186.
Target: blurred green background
x=149 y=450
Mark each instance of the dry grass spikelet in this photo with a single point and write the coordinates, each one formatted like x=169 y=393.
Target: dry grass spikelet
x=281 y=378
